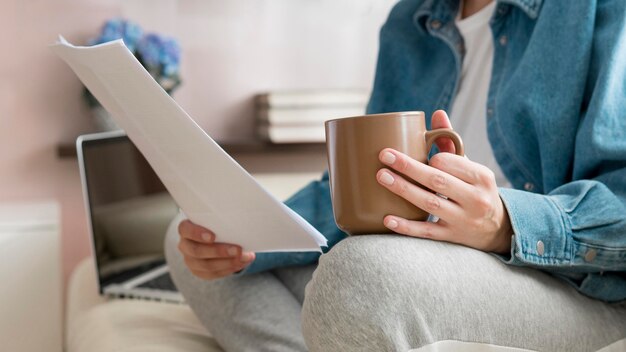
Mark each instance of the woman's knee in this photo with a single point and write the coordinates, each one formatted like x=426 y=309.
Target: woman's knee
x=351 y=294
x=373 y=264
x=374 y=292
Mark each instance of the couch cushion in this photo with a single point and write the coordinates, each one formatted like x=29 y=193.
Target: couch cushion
x=131 y=325
x=96 y=324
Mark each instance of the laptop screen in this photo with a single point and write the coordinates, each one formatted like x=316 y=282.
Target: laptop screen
x=129 y=208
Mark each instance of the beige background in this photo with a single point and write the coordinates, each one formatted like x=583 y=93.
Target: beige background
x=231 y=50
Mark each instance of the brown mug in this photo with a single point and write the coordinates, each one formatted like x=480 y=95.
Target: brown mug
x=360 y=203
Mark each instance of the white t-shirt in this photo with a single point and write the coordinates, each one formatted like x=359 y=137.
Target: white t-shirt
x=469 y=110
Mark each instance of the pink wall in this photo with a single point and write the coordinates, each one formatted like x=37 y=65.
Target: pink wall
x=231 y=50
x=40 y=106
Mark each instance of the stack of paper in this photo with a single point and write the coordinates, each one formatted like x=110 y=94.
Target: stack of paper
x=298 y=116
x=210 y=187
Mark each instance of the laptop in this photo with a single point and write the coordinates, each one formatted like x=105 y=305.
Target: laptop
x=129 y=211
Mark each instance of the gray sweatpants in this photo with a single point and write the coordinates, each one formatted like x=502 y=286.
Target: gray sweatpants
x=394 y=293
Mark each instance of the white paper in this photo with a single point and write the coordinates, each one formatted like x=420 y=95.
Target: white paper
x=210 y=187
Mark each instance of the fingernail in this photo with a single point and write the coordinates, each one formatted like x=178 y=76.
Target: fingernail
x=207 y=237
x=388 y=158
x=232 y=251
x=386 y=178
x=392 y=224
x=246 y=257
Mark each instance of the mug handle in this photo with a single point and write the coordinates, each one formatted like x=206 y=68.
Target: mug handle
x=432 y=135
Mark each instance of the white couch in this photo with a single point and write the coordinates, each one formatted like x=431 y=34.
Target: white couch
x=94 y=323
x=30 y=277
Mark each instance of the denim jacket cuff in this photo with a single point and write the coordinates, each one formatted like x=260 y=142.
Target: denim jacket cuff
x=540 y=236
x=273 y=260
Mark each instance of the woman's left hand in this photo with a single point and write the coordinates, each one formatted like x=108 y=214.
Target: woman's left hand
x=473 y=213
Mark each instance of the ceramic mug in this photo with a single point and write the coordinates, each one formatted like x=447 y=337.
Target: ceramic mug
x=360 y=203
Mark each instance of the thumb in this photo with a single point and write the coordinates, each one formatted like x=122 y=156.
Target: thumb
x=440 y=120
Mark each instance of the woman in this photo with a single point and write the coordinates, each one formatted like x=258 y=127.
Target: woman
x=530 y=247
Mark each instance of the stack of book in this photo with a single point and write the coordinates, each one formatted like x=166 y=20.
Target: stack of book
x=298 y=116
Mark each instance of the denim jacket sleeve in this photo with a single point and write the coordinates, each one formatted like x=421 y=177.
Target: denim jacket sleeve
x=578 y=230
x=314 y=205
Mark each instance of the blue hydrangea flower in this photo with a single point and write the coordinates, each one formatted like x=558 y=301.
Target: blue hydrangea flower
x=118 y=28
x=160 y=55
x=170 y=56
x=149 y=47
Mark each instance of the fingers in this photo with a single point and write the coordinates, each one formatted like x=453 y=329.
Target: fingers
x=191 y=231
x=430 y=177
x=212 y=265
x=215 y=265
x=440 y=120
x=421 y=198
x=209 y=269
x=207 y=250
x=207 y=259
x=421 y=229
x=464 y=169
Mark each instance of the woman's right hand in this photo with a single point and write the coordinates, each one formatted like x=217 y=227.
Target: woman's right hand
x=207 y=259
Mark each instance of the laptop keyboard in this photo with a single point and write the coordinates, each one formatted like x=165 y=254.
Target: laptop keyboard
x=163 y=282
x=125 y=275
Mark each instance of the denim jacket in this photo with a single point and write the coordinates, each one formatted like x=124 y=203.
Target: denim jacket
x=556 y=120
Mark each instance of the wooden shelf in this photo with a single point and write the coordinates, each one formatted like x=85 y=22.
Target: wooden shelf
x=271 y=148
x=68 y=150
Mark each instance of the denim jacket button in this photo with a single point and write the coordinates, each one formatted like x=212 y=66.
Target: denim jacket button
x=590 y=255
x=503 y=40
x=529 y=186
x=435 y=24
x=540 y=247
